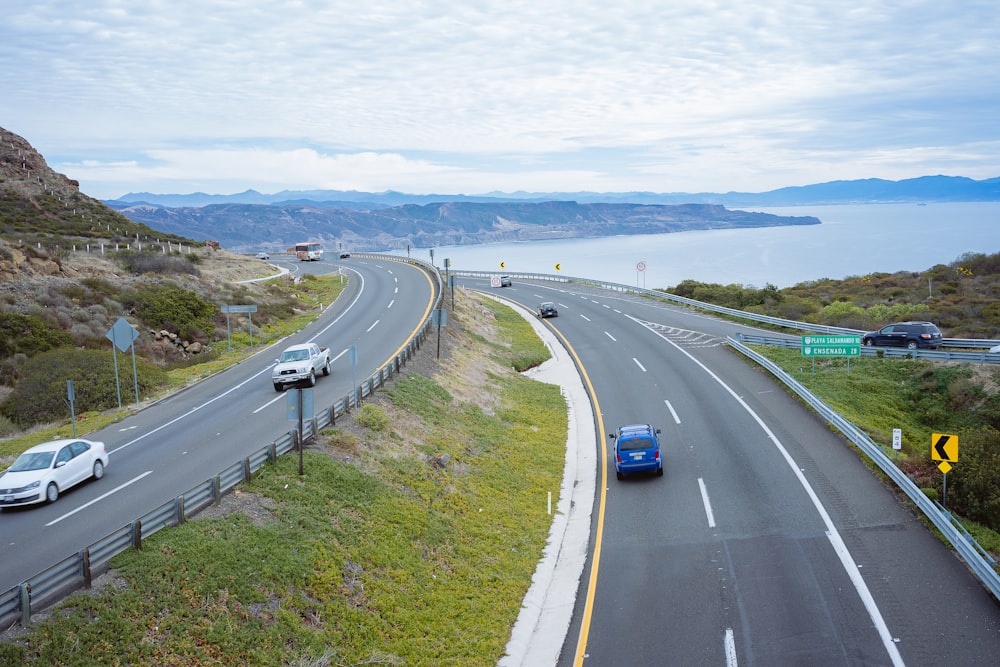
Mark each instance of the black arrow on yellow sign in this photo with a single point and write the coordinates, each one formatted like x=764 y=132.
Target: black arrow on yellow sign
x=944 y=447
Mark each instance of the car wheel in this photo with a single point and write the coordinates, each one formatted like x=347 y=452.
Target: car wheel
x=911 y=345
x=620 y=474
x=312 y=379
x=98 y=469
x=659 y=472
x=326 y=367
x=869 y=342
x=52 y=492
x=279 y=387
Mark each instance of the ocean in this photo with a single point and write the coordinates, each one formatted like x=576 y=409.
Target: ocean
x=853 y=240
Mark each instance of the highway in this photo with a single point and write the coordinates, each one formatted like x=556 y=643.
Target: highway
x=767 y=541
x=165 y=449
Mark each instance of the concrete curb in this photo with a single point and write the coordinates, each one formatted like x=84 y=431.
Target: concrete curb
x=547 y=609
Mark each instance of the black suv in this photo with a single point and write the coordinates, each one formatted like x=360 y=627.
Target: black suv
x=910 y=335
x=547 y=309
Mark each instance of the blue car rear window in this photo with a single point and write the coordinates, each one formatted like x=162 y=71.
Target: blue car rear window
x=626 y=444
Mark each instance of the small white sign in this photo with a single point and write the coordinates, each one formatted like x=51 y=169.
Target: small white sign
x=897 y=438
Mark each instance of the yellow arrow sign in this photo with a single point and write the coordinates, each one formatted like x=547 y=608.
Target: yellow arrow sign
x=944 y=447
x=503 y=265
x=558 y=267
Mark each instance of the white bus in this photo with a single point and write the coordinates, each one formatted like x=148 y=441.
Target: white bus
x=308 y=252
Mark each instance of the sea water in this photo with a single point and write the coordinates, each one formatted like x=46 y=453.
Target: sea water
x=852 y=240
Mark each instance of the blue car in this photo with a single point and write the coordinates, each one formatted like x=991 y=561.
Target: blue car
x=637 y=449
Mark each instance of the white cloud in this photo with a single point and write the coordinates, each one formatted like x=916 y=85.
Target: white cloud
x=487 y=95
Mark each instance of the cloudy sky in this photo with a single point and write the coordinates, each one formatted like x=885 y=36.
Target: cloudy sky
x=475 y=96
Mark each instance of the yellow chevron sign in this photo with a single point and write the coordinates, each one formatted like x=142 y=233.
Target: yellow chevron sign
x=944 y=447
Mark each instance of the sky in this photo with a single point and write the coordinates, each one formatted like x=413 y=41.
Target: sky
x=475 y=96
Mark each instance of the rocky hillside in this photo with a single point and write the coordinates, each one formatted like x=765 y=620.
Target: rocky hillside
x=41 y=207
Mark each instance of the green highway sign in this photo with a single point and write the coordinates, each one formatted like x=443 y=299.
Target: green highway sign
x=831 y=346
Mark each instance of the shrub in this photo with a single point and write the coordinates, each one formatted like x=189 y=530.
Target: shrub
x=177 y=310
x=28 y=334
x=155 y=261
x=40 y=393
x=975 y=491
x=373 y=417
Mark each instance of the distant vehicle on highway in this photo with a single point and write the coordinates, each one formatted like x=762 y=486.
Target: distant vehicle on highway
x=41 y=473
x=547 y=309
x=345 y=255
x=263 y=255
x=911 y=335
x=637 y=449
x=505 y=281
x=309 y=252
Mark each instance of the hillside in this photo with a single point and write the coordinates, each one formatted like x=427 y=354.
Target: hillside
x=41 y=207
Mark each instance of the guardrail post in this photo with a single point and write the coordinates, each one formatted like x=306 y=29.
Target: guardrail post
x=137 y=534
x=246 y=469
x=216 y=485
x=181 y=510
x=85 y=561
x=25 y=590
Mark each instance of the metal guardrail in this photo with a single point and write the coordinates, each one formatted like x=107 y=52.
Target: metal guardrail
x=981 y=358
x=77 y=570
x=970 y=343
x=975 y=557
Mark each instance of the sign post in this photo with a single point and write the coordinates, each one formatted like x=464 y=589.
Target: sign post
x=122 y=335
x=639 y=268
x=296 y=407
x=71 y=395
x=439 y=318
x=239 y=309
x=944 y=448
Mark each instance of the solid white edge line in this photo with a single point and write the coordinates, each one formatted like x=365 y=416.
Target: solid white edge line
x=707 y=503
x=838 y=544
x=99 y=498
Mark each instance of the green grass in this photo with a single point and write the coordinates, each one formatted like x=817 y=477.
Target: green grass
x=918 y=397
x=383 y=557
x=871 y=393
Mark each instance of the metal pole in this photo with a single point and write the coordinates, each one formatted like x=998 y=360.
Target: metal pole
x=135 y=377
x=300 y=431
x=114 y=353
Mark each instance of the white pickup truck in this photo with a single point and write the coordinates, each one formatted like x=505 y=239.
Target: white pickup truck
x=300 y=363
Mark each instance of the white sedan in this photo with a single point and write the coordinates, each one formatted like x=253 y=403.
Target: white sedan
x=41 y=473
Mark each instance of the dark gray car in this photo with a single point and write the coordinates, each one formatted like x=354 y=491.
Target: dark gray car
x=911 y=335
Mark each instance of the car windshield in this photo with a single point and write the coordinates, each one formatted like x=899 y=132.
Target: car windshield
x=32 y=461
x=295 y=355
x=628 y=444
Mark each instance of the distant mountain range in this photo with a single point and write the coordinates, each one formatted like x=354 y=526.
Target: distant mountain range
x=864 y=191
x=249 y=221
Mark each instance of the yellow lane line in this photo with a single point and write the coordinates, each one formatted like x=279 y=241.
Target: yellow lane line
x=581 y=645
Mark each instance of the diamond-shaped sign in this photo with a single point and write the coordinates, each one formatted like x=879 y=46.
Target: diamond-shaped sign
x=122 y=334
